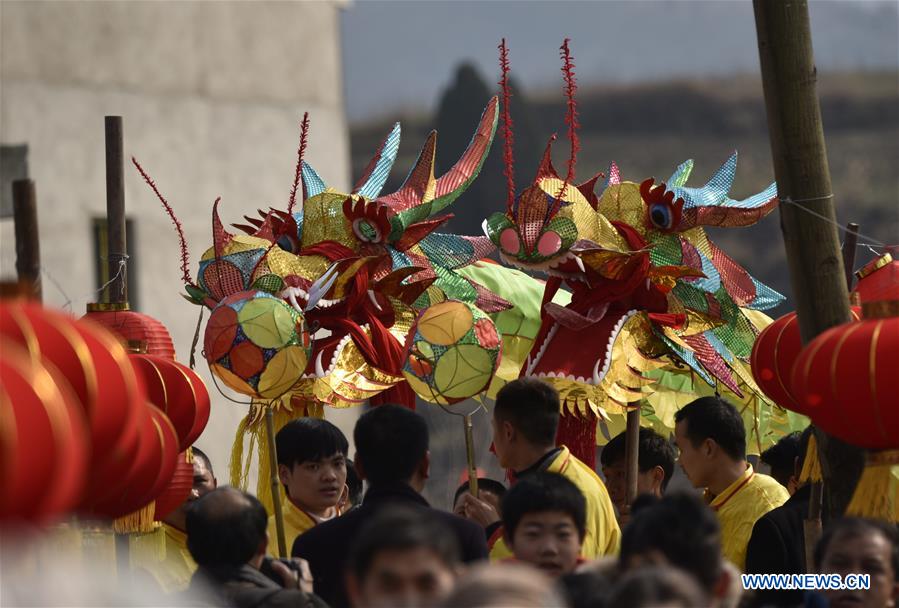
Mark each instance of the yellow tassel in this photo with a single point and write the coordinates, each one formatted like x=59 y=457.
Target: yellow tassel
x=811 y=466
x=139 y=521
x=189 y=455
x=236 y=469
x=877 y=492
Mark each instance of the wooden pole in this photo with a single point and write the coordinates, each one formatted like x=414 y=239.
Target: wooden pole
x=116 y=257
x=28 y=249
x=631 y=453
x=469 y=455
x=807 y=215
x=275 y=482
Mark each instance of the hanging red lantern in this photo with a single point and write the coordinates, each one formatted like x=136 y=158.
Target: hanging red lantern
x=133 y=327
x=99 y=372
x=171 y=389
x=773 y=354
x=43 y=438
x=178 y=488
x=846 y=377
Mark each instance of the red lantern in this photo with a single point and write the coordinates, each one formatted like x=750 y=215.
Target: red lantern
x=43 y=439
x=177 y=490
x=133 y=327
x=773 y=354
x=846 y=378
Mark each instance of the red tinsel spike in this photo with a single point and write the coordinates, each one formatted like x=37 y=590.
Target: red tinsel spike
x=508 y=154
x=185 y=254
x=301 y=151
x=571 y=114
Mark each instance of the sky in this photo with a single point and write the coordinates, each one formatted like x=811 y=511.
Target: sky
x=399 y=55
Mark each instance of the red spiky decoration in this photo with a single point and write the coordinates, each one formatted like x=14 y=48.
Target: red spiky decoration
x=301 y=151
x=185 y=254
x=508 y=155
x=571 y=113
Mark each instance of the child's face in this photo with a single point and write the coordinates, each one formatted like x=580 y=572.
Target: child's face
x=548 y=540
x=315 y=485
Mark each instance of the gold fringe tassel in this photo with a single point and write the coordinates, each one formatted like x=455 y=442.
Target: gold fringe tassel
x=237 y=472
x=811 y=466
x=877 y=492
x=139 y=521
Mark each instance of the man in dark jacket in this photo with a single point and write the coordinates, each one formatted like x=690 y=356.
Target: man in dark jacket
x=777 y=544
x=226 y=536
x=392 y=455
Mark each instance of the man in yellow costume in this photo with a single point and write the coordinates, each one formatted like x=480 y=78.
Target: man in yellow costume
x=712 y=441
x=163 y=553
x=525 y=421
x=312 y=456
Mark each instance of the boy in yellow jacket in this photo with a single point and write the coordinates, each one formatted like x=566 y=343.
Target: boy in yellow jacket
x=525 y=421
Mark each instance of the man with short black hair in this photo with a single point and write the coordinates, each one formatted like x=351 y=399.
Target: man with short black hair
x=655 y=462
x=403 y=557
x=312 y=467
x=227 y=538
x=525 y=421
x=544 y=523
x=392 y=455
x=712 y=441
x=781 y=458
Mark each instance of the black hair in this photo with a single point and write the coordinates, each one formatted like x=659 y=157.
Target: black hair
x=484 y=483
x=309 y=439
x=532 y=406
x=716 y=419
x=850 y=527
x=585 y=589
x=398 y=528
x=680 y=527
x=225 y=527
x=653 y=451
x=353 y=483
x=781 y=457
x=391 y=442
x=656 y=586
x=198 y=453
x=540 y=493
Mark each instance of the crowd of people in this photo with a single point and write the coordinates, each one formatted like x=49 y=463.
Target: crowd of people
x=556 y=534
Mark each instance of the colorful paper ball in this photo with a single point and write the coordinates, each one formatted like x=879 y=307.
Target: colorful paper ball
x=257 y=344
x=452 y=352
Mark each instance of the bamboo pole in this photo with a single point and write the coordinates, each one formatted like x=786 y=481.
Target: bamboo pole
x=631 y=453
x=275 y=482
x=28 y=249
x=808 y=218
x=116 y=256
x=469 y=455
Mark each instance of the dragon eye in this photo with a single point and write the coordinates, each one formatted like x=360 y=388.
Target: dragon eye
x=509 y=241
x=366 y=232
x=661 y=217
x=550 y=242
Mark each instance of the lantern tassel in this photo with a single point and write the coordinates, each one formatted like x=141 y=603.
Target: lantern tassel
x=237 y=471
x=877 y=493
x=139 y=521
x=811 y=466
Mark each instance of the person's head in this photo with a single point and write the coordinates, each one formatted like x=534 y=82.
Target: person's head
x=782 y=458
x=312 y=463
x=525 y=420
x=402 y=557
x=226 y=528
x=588 y=589
x=655 y=461
x=545 y=521
x=353 y=494
x=204 y=481
x=709 y=434
x=675 y=530
x=392 y=446
x=503 y=585
x=861 y=546
x=657 y=587
x=489 y=490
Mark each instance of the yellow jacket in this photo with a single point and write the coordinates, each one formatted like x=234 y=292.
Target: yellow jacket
x=164 y=554
x=603 y=534
x=296 y=521
x=740 y=506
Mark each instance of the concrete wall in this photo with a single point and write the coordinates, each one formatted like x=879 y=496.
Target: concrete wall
x=211 y=94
